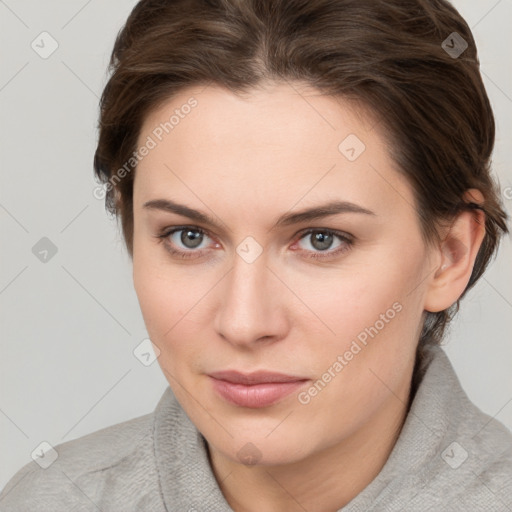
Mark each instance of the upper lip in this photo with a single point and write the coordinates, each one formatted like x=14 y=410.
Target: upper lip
x=259 y=377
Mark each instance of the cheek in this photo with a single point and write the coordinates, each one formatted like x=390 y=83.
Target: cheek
x=355 y=300
x=375 y=315
x=366 y=364
x=157 y=292
x=172 y=299
x=163 y=301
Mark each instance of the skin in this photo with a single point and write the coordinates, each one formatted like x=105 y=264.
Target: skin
x=245 y=161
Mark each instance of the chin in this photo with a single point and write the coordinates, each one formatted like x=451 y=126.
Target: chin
x=261 y=451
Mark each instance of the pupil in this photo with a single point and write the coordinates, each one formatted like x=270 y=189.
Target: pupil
x=193 y=236
x=325 y=241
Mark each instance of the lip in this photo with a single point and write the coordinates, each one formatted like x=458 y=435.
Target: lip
x=254 y=390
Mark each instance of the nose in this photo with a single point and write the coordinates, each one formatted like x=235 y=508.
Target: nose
x=251 y=305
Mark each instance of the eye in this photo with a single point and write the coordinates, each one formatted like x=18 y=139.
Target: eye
x=190 y=238
x=184 y=241
x=321 y=240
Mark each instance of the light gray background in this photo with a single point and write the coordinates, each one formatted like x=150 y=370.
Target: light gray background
x=69 y=326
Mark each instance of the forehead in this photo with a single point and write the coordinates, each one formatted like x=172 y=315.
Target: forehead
x=280 y=143
x=274 y=115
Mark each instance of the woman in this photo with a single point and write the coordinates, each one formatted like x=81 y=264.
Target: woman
x=304 y=190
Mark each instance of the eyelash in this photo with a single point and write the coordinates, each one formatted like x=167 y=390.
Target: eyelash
x=348 y=241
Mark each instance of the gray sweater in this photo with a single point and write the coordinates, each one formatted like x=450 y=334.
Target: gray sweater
x=449 y=456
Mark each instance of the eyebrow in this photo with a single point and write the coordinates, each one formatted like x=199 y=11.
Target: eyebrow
x=287 y=219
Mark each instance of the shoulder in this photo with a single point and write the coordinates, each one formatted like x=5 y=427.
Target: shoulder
x=485 y=448
x=472 y=464
x=78 y=475
x=475 y=473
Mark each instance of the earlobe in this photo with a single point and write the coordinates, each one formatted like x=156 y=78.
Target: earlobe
x=457 y=253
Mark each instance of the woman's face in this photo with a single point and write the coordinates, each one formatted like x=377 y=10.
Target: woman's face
x=334 y=301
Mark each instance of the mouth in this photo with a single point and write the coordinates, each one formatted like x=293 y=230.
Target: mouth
x=254 y=390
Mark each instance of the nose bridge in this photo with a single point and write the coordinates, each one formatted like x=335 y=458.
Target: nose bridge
x=247 y=311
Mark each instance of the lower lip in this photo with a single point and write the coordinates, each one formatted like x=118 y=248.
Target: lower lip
x=256 y=395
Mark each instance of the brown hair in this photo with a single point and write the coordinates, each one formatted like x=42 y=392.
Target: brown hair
x=388 y=55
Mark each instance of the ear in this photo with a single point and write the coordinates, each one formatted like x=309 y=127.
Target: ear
x=455 y=256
